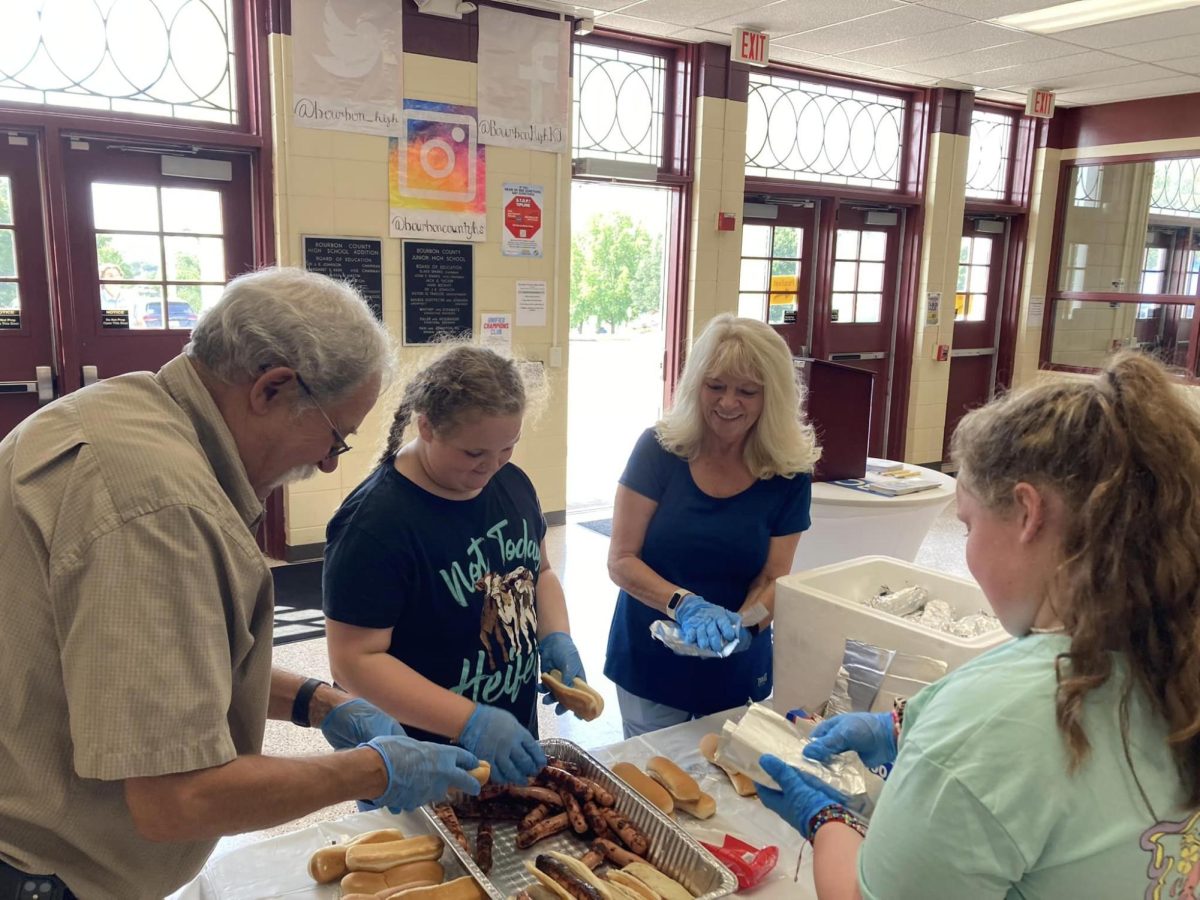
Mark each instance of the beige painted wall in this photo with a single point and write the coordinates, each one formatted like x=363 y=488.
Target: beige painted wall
x=336 y=184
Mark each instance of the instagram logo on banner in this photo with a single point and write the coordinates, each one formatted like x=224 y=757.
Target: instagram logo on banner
x=440 y=160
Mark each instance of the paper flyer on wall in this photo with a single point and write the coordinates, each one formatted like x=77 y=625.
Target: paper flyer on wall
x=437 y=174
x=495 y=331
x=346 y=65
x=521 y=209
x=524 y=71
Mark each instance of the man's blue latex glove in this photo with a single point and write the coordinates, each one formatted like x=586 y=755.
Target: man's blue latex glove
x=871 y=735
x=420 y=772
x=356 y=722
x=708 y=626
x=496 y=735
x=802 y=796
x=557 y=651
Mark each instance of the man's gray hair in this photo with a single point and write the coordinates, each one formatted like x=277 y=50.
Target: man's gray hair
x=320 y=327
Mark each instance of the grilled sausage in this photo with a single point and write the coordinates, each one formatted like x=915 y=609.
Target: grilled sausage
x=614 y=853
x=534 y=816
x=566 y=879
x=629 y=834
x=574 y=812
x=542 y=830
x=483 y=847
x=445 y=812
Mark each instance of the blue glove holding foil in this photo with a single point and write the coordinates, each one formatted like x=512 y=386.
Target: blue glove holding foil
x=419 y=772
x=496 y=735
x=356 y=722
x=801 y=797
x=871 y=735
x=708 y=626
x=557 y=651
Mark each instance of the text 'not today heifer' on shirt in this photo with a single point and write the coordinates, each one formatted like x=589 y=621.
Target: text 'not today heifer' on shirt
x=453 y=579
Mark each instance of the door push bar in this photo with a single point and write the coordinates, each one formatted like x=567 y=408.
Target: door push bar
x=839 y=357
x=972 y=351
x=43 y=386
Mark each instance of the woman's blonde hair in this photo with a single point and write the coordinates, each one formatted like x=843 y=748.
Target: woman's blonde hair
x=1123 y=452
x=782 y=442
x=464 y=380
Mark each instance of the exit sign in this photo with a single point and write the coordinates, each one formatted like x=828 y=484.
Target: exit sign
x=1039 y=103
x=749 y=47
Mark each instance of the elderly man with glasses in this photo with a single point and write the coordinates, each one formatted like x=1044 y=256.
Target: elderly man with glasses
x=137 y=608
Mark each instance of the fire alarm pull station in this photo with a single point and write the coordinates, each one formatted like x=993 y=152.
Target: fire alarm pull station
x=726 y=221
x=943 y=352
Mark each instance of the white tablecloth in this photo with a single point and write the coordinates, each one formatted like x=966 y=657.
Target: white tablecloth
x=847 y=523
x=278 y=867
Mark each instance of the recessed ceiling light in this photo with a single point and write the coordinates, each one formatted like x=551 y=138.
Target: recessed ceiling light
x=1083 y=13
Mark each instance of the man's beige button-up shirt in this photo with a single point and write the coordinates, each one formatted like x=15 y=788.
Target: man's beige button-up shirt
x=136 y=616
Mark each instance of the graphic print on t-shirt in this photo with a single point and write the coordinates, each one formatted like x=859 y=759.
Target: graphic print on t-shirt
x=1174 y=867
x=509 y=617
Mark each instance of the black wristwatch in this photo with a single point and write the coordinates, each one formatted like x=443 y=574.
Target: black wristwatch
x=673 y=603
x=303 y=700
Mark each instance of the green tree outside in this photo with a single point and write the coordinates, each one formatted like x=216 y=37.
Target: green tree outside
x=616 y=272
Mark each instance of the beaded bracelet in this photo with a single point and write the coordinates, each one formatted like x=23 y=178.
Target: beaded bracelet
x=835 y=813
x=898 y=715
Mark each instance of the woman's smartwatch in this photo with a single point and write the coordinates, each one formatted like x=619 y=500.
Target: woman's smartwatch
x=676 y=599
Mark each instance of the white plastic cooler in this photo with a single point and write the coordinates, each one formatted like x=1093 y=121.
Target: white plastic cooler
x=817 y=610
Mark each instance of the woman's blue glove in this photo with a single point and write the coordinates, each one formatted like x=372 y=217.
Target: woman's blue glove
x=419 y=772
x=557 y=651
x=802 y=795
x=496 y=735
x=871 y=735
x=356 y=722
x=708 y=626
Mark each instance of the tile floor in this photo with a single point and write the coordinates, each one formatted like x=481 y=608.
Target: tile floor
x=579 y=555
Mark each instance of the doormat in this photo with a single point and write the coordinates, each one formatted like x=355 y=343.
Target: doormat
x=600 y=526
x=292 y=625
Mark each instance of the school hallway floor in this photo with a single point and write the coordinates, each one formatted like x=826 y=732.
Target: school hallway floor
x=579 y=555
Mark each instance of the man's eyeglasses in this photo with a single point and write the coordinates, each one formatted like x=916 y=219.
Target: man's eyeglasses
x=339 y=443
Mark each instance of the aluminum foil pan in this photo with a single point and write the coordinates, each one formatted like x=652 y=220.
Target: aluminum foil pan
x=672 y=850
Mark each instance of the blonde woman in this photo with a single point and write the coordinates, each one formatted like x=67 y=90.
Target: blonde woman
x=707 y=515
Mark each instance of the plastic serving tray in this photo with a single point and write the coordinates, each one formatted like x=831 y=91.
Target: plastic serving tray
x=672 y=850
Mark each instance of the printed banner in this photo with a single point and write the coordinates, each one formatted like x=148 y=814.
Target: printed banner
x=436 y=174
x=523 y=73
x=346 y=65
x=522 y=212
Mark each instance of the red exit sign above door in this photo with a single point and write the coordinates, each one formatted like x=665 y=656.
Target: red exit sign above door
x=1039 y=103
x=749 y=47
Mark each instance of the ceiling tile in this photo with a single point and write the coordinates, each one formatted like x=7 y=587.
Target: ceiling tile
x=702 y=35
x=786 y=17
x=687 y=13
x=1156 y=51
x=987 y=9
x=845 y=66
x=1180 y=84
x=1118 y=75
x=1002 y=96
x=792 y=55
x=1031 y=50
x=931 y=46
x=1131 y=31
x=1043 y=72
x=907 y=21
x=636 y=25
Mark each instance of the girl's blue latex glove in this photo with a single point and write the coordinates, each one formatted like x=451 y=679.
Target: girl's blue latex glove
x=802 y=796
x=871 y=735
x=557 y=651
x=420 y=772
x=496 y=735
x=708 y=626
x=356 y=722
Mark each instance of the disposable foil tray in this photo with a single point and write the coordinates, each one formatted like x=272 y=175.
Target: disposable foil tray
x=672 y=850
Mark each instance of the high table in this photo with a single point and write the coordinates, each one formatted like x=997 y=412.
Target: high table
x=278 y=867
x=847 y=523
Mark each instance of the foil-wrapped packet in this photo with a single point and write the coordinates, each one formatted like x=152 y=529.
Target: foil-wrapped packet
x=974 y=625
x=670 y=634
x=859 y=677
x=936 y=614
x=900 y=603
x=762 y=730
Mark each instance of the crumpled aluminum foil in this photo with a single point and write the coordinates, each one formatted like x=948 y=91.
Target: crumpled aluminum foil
x=668 y=633
x=974 y=625
x=900 y=603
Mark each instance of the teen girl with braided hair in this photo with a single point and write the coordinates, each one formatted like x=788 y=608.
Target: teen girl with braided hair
x=438 y=592
x=1065 y=763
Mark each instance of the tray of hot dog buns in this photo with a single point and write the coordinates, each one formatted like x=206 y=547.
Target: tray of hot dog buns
x=576 y=832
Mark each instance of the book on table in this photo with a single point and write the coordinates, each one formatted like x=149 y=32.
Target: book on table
x=895 y=485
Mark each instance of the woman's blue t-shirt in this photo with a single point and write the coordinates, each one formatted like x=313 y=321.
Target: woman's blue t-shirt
x=714 y=547
x=453 y=579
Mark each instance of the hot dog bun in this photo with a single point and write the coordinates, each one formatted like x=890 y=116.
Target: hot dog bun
x=482 y=772
x=645 y=785
x=681 y=785
x=703 y=808
x=464 y=888
x=381 y=857
x=639 y=889
x=743 y=785
x=418 y=874
x=666 y=887
x=580 y=698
